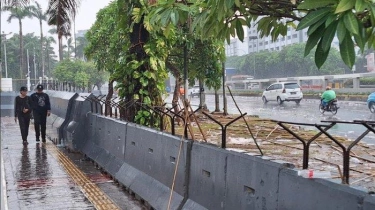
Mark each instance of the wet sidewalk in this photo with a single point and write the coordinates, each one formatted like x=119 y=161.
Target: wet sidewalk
x=39 y=176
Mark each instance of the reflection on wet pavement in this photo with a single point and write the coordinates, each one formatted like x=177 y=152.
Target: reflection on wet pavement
x=41 y=176
x=34 y=179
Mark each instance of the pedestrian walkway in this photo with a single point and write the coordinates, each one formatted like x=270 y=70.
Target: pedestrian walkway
x=39 y=176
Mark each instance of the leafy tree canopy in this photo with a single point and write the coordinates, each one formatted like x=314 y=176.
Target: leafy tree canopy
x=352 y=20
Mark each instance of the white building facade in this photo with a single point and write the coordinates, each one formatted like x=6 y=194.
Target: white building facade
x=253 y=43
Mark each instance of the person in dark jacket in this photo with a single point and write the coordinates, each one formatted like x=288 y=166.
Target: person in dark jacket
x=22 y=110
x=41 y=109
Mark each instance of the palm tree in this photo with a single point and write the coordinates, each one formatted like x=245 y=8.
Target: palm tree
x=15 y=3
x=19 y=13
x=37 y=12
x=69 y=45
x=47 y=44
x=81 y=44
x=61 y=13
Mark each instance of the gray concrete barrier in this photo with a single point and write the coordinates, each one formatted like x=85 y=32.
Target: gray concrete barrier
x=74 y=129
x=251 y=182
x=369 y=202
x=7 y=103
x=296 y=192
x=144 y=160
x=153 y=156
x=61 y=105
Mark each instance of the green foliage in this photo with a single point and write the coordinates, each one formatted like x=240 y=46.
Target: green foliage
x=352 y=20
x=288 y=62
x=82 y=74
x=30 y=42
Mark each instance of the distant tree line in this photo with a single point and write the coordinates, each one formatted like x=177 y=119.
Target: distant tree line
x=289 y=62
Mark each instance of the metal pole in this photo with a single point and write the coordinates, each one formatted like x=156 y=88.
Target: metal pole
x=225 y=109
x=5 y=57
x=254 y=60
x=28 y=71
x=185 y=72
x=34 y=66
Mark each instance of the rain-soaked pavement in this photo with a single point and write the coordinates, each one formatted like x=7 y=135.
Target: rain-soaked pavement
x=42 y=176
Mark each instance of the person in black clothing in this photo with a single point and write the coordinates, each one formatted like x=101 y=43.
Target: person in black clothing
x=41 y=109
x=22 y=112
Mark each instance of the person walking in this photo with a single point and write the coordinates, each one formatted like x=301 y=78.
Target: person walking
x=41 y=109
x=22 y=110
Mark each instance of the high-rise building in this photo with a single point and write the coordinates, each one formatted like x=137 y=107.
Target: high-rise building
x=253 y=43
x=81 y=33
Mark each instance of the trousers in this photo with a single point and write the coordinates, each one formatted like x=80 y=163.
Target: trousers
x=40 y=121
x=24 y=122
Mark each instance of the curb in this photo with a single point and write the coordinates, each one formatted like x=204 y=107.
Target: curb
x=4 y=198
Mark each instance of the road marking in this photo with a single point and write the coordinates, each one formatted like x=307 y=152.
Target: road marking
x=92 y=192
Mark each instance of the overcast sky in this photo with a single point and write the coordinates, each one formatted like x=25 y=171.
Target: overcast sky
x=85 y=18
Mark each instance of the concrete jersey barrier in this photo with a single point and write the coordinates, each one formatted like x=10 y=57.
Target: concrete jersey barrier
x=208 y=177
x=61 y=105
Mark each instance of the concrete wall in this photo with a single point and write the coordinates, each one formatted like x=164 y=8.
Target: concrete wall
x=7 y=103
x=144 y=160
x=61 y=104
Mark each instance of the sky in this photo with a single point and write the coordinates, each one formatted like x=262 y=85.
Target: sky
x=85 y=18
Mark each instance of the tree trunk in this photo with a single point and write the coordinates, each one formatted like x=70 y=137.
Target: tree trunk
x=60 y=48
x=41 y=47
x=21 y=50
x=202 y=95
x=138 y=37
x=176 y=93
x=48 y=65
x=217 y=104
x=108 y=109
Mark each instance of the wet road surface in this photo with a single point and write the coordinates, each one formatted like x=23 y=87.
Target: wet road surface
x=307 y=112
x=42 y=176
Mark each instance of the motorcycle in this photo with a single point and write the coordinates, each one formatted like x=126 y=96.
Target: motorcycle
x=330 y=107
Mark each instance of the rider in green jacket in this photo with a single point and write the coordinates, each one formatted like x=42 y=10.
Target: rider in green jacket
x=328 y=96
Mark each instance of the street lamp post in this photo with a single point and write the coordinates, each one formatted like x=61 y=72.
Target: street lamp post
x=254 y=38
x=28 y=70
x=5 y=53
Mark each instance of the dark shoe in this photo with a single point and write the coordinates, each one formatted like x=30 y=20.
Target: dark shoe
x=44 y=140
x=25 y=143
x=37 y=139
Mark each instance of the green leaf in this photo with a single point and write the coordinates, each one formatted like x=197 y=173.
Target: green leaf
x=341 y=30
x=351 y=23
x=329 y=20
x=229 y=3
x=316 y=25
x=313 y=40
x=360 y=5
x=347 y=51
x=360 y=39
x=320 y=55
x=312 y=4
x=344 y=5
x=312 y=18
x=328 y=36
x=173 y=18
x=237 y=2
x=239 y=30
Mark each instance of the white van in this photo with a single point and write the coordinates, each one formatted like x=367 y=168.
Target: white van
x=283 y=91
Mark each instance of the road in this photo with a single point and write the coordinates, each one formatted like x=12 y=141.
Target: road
x=307 y=111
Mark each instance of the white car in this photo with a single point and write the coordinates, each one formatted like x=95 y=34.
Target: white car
x=194 y=91
x=283 y=91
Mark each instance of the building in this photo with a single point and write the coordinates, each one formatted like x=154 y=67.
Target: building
x=81 y=33
x=253 y=43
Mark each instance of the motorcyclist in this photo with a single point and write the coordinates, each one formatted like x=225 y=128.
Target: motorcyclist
x=328 y=96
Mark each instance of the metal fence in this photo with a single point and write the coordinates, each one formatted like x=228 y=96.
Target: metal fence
x=50 y=85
